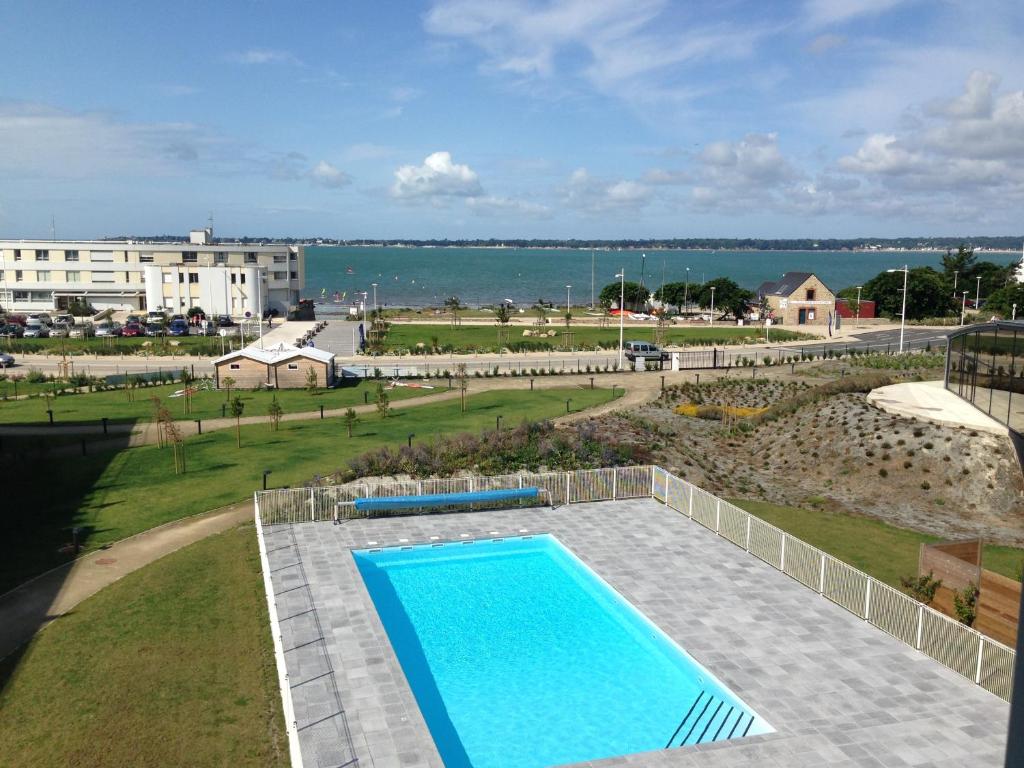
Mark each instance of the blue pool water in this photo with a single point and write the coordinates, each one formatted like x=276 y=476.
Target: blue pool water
x=520 y=656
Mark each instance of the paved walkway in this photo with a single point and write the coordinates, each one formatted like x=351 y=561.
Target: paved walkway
x=35 y=604
x=930 y=401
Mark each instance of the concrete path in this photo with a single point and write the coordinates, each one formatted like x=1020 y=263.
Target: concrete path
x=37 y=603
x=930 y=401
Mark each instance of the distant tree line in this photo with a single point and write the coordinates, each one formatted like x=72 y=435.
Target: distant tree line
x=709 y=243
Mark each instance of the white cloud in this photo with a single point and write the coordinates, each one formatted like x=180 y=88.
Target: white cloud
x=663 y=177
x=594 y=195
x=491 y=204
x=326 y=175
x=436 y=180
x=262 y=56
x=824 y=43
x=824 y=13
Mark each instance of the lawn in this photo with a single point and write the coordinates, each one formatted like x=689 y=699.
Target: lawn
x=206 y=404
x=484 y=338
x=879 y=549
x=172 y=665
x=117 y=345
x=114 y=495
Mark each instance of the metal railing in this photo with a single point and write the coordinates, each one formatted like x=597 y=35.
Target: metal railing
x=976 y=657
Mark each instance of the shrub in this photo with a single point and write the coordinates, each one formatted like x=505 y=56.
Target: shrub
x=883 y=472
x=921 y=588
x=965 y=603
x=926 y=486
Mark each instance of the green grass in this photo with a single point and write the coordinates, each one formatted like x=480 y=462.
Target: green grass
x=879 y=549
x=117 y=345
x=485 y=337
x=114 y=495
x=206 y=404
x=171 y=665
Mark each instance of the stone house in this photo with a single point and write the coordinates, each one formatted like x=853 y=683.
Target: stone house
x=281 y=367
x=799 y=298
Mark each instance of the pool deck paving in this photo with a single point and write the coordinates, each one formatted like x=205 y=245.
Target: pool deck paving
x=838 y=691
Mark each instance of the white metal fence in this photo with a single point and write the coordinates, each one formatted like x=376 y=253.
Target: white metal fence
x=962 y=649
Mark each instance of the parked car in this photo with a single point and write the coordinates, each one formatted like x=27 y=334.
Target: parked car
x=17 y=320
x=154 y=329
x=225 y=321
x=108 y=329
x=65 y=318
x=177 y=328
x=132 y=330
x=644 y=350
x=133 y=319
x=37 y=331
x=59 y=330
x=179 y=317
x=6 y=361
x=42 y=317
x=12 y=330
x=83 y=331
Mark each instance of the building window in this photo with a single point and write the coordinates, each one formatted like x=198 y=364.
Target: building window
x=234 y=278
x=279 y=258
x=181 y=277
x=810 y=294
x=70 y=255
x=280 y=275
x=17 y=254
x=21 y=295
x=242 y=278
x=145 y=258
x=42 y=255
x=293 y=257
x=235 y=366
x=18 y=275
x=43 y=275
x=250 y=257
x=73 y=277
x=220 y=258
x=189 y=257
x=193 y=277
x=810 y=314
x=293 y=366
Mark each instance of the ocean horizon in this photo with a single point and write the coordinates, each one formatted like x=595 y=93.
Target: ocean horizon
x=417 y=276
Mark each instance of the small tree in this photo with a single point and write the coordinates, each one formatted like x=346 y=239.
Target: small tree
x=237 y=408
x=227 y=382
x=503 y=314
x=351 y=418
x=462 y=374
x=383 y=400
x=174 y=437
x=453 y=304
x=311 y=382
x=274 y=410
x=965 y=604
x=542 y=313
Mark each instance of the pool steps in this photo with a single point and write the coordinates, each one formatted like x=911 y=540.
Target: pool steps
x=703 y=716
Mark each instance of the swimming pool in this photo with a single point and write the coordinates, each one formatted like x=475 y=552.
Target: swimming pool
x=520 y=656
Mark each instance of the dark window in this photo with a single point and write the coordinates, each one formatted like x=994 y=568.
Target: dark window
x=181 y=277
x=42 y=255
x=70 y=255
x=243 y=278
x=193 y=277
x=235 y=366
x=234 y=278
x=295 y=275
x=189 y=257
x=810 y=294
x=250 y=257
x=17 y=254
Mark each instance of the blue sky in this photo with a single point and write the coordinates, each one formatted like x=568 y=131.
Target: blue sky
x=464 y=118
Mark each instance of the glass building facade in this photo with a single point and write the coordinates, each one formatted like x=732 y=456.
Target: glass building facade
x=985 y=366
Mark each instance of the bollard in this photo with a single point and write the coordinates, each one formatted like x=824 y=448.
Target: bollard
x=321 y=411
x=49 y=412
x=662 y=383
x=792 y=367
x=591 y=382
x=531 y=385
x=223 y=410
x=698 y=379
x=567 y=405
x=104 y=420
x=199 y=426
x=366 y=397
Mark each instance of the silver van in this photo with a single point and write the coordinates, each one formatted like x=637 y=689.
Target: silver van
x=644 y=350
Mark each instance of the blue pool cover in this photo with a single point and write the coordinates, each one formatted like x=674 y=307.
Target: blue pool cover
x=371 y=503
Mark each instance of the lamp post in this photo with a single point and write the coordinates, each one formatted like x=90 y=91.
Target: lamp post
x=686 y=291
x=903 y=312
x=568 y=288
x=956 y=274
x=859 y=287
x=259 y=300
x=622 y=302
x=374 y=299
x=977 y=296
x=1014 y=315
x=963 y=310
x=712 y=306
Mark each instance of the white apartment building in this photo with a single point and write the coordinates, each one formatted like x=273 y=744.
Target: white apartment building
x=222 y=278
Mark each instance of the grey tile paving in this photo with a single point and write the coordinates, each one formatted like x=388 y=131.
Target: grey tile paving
x=838 y=691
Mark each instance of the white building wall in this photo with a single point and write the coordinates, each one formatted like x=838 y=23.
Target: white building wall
x=153 y=277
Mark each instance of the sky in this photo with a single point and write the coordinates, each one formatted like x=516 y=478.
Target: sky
x=523 y=118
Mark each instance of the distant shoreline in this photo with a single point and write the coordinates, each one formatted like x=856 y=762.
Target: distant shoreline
x=654 y=249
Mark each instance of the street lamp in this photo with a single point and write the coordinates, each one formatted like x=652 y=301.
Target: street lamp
x=977 y=296
x=622 y=302
x=956 y=274
x=686 y=291
x=374 y=299
x=903 y=312
x=859 y=287
x=568 y=288
x=963 y=310
x=712 y=306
